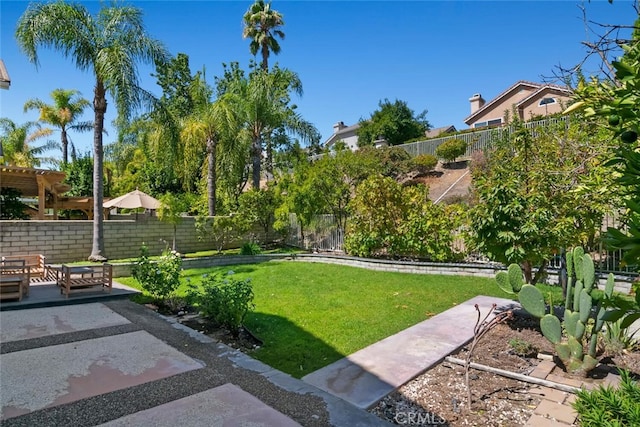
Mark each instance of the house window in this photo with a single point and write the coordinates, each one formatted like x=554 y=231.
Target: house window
x=546 y=101
x=493 y=122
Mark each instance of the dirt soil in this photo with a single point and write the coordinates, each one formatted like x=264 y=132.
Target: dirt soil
x=454 y=180
x=439 y=396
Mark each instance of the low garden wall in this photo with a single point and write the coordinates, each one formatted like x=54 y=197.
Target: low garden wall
x=67 y=241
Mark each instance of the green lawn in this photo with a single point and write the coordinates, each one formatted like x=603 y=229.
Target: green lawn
x=311 y=314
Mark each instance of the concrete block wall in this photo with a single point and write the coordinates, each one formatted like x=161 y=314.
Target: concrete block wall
x=67 y=241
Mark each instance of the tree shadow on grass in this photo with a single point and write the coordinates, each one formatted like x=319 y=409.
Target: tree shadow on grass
x=288 y=347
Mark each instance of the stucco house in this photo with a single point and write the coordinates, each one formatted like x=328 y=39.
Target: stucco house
x=346 y=134
x=528 y=99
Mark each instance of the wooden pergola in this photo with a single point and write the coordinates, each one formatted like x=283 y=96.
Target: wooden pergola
x=46 y=185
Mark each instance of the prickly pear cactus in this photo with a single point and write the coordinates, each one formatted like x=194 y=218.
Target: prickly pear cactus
x=579 y=310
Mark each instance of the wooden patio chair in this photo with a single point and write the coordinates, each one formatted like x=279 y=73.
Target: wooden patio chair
x=14 y=279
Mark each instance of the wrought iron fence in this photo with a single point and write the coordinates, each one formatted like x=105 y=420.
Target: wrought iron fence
x=324 y=235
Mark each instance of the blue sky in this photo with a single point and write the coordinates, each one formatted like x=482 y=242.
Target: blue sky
x=433 y=55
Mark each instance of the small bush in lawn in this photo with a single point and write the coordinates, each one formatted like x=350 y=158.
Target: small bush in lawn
x=250 y=248
x=425 y=162
x=161 y=278
x=608 y=406
x=451 y=149
x=224 y=299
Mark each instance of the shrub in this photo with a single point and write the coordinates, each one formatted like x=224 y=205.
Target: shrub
x=522 y=348
x=161 y=278
x=425 y=162
x=225 y=300
x=609 y=406
x=451 y=149
x=250 y=248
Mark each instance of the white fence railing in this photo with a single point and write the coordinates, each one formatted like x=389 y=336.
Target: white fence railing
x=477 y=140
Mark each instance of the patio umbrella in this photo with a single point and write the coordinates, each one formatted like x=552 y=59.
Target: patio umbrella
x=133 y=200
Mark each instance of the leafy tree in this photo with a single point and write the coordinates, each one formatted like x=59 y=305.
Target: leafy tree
x=10 y=205
x=68 y=105
x=171 y=209
x=80 y=176
x=616 y=100
x=395 y=122
x=221 y=229
x=451 y=149
x=539 y=191
x=389 y=219
x=18 y=148
x=108 y=45
x=262 y=25
x=258 y=207
x=298 y=197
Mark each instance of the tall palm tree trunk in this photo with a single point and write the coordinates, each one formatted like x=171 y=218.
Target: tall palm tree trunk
x=256 y=157
x=100 y=108
x=265 y=57
x=211 y=175
x=65 y=145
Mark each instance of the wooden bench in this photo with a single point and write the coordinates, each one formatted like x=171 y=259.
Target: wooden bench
x=14 y=279
x=36 y=263
x=73 y=278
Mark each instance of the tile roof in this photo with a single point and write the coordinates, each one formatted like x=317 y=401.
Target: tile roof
x=537 y=86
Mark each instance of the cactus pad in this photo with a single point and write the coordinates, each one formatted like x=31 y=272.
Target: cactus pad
x=576 y=348
x=532 y=300
x=588 y=272
x=515 y=277
x=570 y=320
x=569 y=258
x=576 y=295
x=578 y=253
x=586 y=303
x=564 y=352
x=503 y=282
x=608 y=287
x=580 y=328
x=550 y=326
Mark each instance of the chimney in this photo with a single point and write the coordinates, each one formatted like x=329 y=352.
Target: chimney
x=477 y=102
x=338 y=127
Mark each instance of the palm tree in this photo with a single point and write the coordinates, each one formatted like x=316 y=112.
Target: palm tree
x=263 y=103
x=261 y=24
x=17 y=143
x=108 y=45
x=209 y=125
x=67 y=107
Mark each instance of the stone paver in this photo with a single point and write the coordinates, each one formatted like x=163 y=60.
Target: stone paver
x=225 y=405
x=556 y=411
x=365 y=377
x=550 y=394
x=543 y=369
x=14 y=325
x=45 y=377
x=540 y=421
